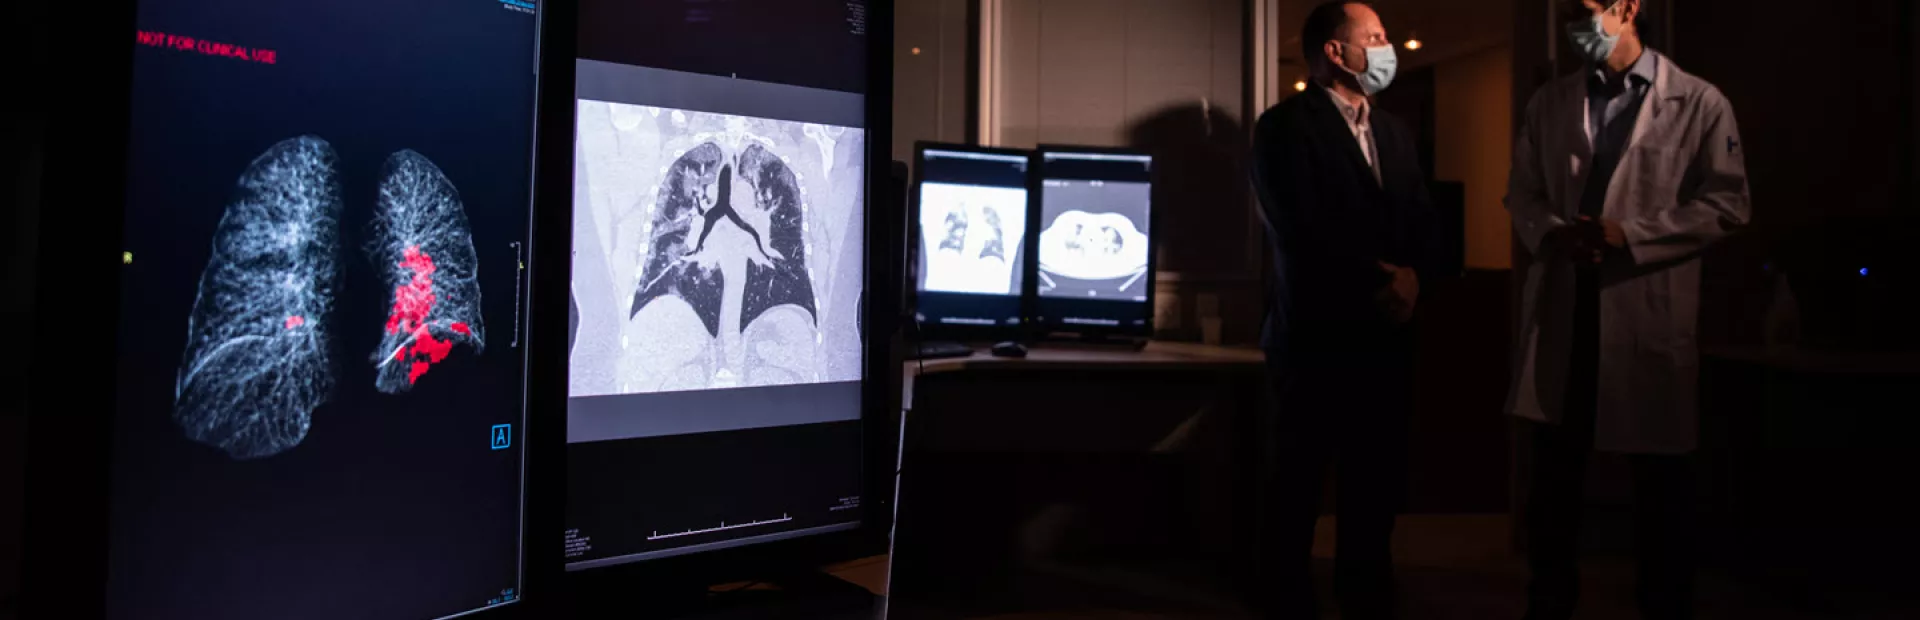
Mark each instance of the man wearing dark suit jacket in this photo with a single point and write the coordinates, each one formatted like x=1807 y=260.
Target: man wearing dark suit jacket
x=1353 y=237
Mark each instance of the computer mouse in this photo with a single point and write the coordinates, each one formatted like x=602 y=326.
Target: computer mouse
x=1009 y=349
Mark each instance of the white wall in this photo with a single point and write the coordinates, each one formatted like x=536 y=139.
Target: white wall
x=1085 y=71
x=1162 y=75
x=1473 y=144
x=930 y=88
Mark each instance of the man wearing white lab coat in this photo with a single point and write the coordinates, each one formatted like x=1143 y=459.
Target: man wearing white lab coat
x=1622 y=174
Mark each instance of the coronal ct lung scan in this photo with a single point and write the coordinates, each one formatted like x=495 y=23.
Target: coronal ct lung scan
x=257 y=360
x=1094 y=245
x=713 y=251
x=970 y=236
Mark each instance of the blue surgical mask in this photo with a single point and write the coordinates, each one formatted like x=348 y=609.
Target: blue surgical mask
x=1591 y=37
x=1381 y=64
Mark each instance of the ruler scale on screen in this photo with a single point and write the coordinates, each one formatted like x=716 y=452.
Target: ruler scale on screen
x=723 y=527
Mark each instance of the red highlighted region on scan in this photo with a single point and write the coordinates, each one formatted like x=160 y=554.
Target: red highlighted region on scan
x=420 y=237
x=412 y=303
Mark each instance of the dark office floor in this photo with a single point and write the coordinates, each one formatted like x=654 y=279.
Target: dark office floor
x=1460 y=567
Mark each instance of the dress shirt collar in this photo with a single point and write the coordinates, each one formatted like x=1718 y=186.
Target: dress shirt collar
x=1642 y=72
x=1355 y=115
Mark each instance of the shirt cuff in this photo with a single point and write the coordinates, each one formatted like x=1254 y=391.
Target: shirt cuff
x=1536 y=229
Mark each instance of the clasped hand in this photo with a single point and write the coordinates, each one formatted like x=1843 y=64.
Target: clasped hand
x=1397 y=298
x=1587 y=240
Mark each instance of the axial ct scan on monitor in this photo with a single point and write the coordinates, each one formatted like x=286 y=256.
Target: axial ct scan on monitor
x=320 y=372
x=1094 y=242
x=715 y=357
x=1095 y=250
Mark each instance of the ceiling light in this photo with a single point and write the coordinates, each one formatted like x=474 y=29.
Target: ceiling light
x=1300 y=85
x=1414 y=44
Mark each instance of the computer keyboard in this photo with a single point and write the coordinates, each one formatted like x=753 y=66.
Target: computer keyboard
x=938 y=350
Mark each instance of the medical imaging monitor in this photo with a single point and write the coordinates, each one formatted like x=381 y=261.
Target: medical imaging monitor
x=716 y=357
x=319 y=368
x=1093 y=241
x=968 y=239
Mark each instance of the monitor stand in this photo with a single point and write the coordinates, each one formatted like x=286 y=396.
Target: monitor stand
x=799 y=596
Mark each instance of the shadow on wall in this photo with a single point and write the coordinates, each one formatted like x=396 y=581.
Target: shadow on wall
x=1205 y=231
x=1201 y=189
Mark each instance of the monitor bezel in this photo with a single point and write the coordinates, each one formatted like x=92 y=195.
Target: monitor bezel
x=68 y=509
x=967 y=333
x=1037 y=180
x=879 y=419
x=69 y=431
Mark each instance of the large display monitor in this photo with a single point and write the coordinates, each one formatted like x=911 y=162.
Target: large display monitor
x=969 y=235
x=716 y=355
x=319 y=365
x=1094 y=247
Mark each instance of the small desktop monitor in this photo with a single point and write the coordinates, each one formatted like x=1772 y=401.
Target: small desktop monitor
x=1093 y=242
x=319 y=369
x=969 y=235
x=717 y=357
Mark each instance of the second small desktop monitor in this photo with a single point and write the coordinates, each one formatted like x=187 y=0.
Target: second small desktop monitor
x=969 y=226
x=1093 y=251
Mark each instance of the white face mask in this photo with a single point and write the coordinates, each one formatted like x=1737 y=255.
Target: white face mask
x=1382 y=62
x=1591 y=38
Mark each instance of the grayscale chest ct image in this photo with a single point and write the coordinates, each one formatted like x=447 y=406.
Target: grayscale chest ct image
x=1093 y=239
x=714 y=251
x=971 y=237
x=716 y=374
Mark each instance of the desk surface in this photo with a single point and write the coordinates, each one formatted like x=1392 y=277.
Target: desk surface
x=1068 y=356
